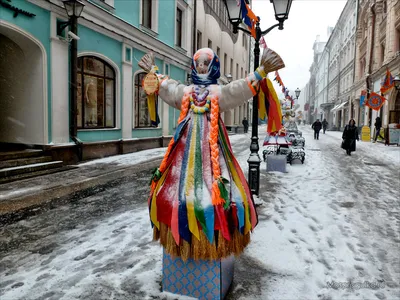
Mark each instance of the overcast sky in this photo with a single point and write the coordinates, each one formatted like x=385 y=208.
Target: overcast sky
x=307 y=19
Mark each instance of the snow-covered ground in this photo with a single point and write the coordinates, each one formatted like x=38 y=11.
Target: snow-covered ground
x=328 y=229
x=332 y=222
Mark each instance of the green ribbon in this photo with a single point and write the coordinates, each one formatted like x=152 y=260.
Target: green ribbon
x=223 y=191
x=156 y=175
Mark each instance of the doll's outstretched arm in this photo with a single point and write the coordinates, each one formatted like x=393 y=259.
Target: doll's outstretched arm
x=239 y=91
x=171 y=91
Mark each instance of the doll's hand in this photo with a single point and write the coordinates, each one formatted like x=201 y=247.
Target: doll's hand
x=260 y=73
x=154 y=69
x=271 y=61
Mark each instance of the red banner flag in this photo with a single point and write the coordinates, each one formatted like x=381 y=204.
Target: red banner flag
x=375 y=101
x=387 y=82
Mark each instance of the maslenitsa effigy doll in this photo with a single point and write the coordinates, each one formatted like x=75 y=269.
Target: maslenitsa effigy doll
x=200 y=204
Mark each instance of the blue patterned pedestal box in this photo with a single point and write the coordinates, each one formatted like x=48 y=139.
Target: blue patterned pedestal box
x=202 y=279
x=276 y=163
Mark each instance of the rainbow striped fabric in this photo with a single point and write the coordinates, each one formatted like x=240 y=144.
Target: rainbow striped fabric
x=181 y=202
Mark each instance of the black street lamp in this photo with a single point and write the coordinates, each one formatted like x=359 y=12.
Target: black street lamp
x=74 y=10
x=396 y=81
x=297 y=92
x=281 y=8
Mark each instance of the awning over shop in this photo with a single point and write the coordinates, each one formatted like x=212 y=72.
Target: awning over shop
x=335 y=108
x=326 y=105
x=340 y=106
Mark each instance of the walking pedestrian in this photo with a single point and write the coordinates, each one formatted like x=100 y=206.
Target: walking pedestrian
x=317 y=125
x=378 y=126
x=245 y=123
x=324 y=125
x=349 y=136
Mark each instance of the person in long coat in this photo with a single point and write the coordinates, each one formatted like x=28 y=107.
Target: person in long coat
x=324 y=125
x=317 y=125
x=350 y=135
x=245 y=123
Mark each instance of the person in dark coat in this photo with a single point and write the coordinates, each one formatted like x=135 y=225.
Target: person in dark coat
x=245 y=125
x=350 y=135
x=317 y=125
x=378 y=126
x=324 y=125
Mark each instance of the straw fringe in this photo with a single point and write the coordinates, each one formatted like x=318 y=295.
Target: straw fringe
x=171 y=247
x=201 y=249
x=185 y=250
x=163 y=234
x=156 y=233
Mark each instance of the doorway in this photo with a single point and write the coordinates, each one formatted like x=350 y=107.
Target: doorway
x=23 y=117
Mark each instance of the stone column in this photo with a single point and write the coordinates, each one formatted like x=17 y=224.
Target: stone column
x=376 y=58
x=357 y=111
x=127 y=92
x=228 y=117
x=369 y=39
x=236 y=116
x=392 y=10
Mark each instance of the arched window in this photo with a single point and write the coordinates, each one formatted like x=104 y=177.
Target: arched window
x=142 y=115
x=96 y=93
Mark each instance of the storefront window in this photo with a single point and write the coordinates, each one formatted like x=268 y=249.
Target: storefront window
x=96 y=94
x=394 y=115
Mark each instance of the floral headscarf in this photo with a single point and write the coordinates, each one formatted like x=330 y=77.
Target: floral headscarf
x=208 y=61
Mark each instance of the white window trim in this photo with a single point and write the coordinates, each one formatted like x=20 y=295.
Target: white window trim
x=154 y=15
x=117 y=88
x=183 y=6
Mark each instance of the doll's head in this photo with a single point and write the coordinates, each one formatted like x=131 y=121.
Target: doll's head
x=205 y=67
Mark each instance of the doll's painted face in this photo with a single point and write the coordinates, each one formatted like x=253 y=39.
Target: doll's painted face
x=205 y=67
x=202 y=63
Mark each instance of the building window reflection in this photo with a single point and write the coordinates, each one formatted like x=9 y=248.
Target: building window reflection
x=96 y=93
x=142 y=115
x=146 y=13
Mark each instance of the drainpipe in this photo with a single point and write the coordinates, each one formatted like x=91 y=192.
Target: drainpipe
x=327 y=84
x=338 y=84
x=355 y=56
x=194 y=25
x=370 y=59
x=73 y=88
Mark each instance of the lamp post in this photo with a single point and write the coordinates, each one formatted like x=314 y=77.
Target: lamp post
x=281 y=8
x=228 y=77
x=297 y=93
x=396 y=81
x=74 y=10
